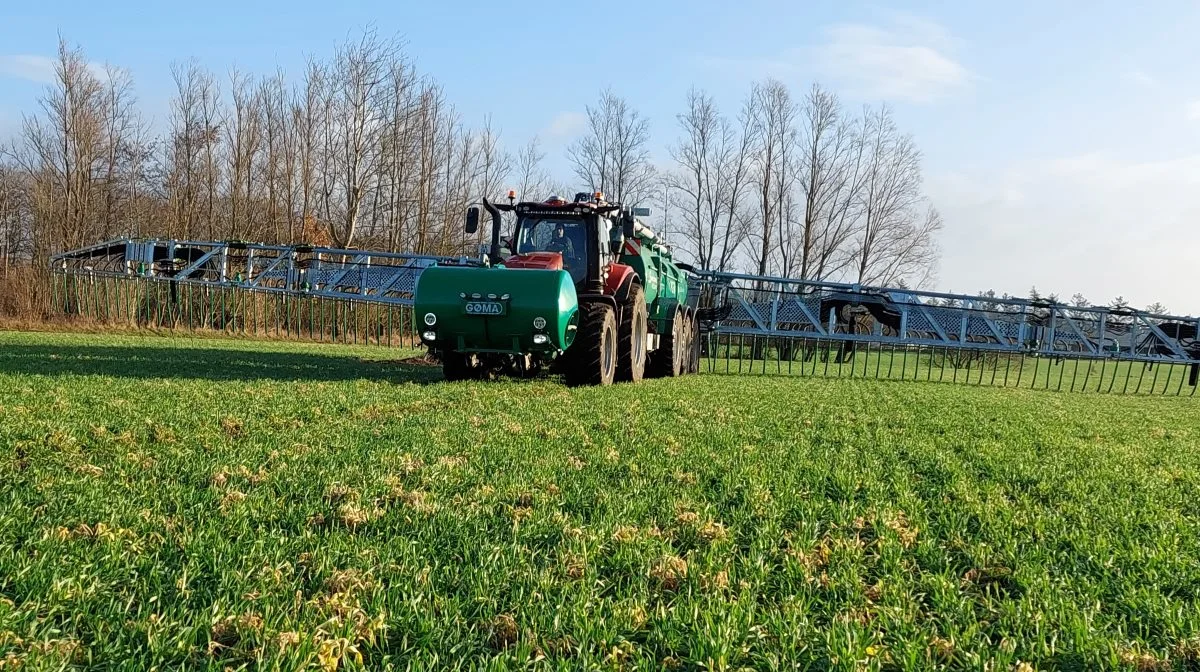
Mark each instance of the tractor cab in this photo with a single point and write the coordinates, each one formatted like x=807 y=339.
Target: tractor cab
x=556 y=234
x=552 y=242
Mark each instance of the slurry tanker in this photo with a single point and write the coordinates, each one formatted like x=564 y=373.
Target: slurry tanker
x=584 y=286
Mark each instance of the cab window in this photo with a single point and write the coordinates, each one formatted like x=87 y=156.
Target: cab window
x=567 y=237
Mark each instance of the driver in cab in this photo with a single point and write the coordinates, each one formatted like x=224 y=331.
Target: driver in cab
x=561 y=244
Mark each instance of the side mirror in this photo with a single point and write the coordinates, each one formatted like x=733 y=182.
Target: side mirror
x=472 y=220
x=627 y=226
x=616 y=241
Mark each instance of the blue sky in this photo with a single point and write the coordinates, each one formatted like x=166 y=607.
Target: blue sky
x=1061 y=140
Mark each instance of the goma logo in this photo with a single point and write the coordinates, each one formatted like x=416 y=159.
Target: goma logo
x=484 y=308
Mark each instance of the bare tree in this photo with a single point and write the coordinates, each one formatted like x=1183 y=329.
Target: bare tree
x=894 y=239
x=14 y=215
x=907 y=252
x=357 y=123
x=276 y=166
x=532 y=182
x=80 y=155
x=460 y=146
x=431 y=124
x=711 y=164
x=736 y=186
x=212 y=122
x=612 y=157
x=308 y=122
x=773 y=172
x=831 y=177
x=399 y=148
x=123 y=157
x=494 y=163
x=188 y=137
x=243 y=136
x=61 y=149
x=493 y=166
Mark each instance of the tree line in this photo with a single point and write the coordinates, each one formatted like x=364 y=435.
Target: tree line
x=802 y=188
x=364 y=150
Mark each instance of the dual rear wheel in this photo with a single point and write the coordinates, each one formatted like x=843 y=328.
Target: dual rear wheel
x=679 y=346
x=678 y=350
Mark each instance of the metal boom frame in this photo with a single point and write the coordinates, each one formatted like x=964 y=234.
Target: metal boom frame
x=785 y=316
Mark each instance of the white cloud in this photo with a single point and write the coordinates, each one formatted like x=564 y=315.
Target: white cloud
x=1108 y=171
x=38 y=69
x=565 y=125
x=908 y=60
x=41 y=69
x=905 y=58
x=1193 y=110
x=1140 y=77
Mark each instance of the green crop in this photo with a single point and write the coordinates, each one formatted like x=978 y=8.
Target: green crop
x=207 y=504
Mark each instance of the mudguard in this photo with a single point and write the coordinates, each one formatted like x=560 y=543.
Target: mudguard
x=619 y=278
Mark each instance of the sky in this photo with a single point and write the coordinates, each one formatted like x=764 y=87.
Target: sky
x=1061 y=140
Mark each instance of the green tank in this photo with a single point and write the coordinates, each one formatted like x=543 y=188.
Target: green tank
x=664 y=283
x=497 y=310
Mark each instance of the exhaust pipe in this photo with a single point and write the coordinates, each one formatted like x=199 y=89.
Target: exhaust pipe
x=494 y=253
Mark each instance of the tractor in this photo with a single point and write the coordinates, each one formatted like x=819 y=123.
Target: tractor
x=584 y=287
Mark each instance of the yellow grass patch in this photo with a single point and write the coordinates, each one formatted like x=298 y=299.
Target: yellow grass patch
x=669 y=571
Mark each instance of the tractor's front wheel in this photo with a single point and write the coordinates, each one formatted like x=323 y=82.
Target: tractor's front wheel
x=631 y=336
x=593 y=355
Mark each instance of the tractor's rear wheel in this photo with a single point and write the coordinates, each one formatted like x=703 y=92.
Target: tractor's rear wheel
x=593 y=355
x=672 y=347
x=631 y=336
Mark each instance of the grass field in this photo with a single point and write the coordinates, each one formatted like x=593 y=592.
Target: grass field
x=210 y=504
